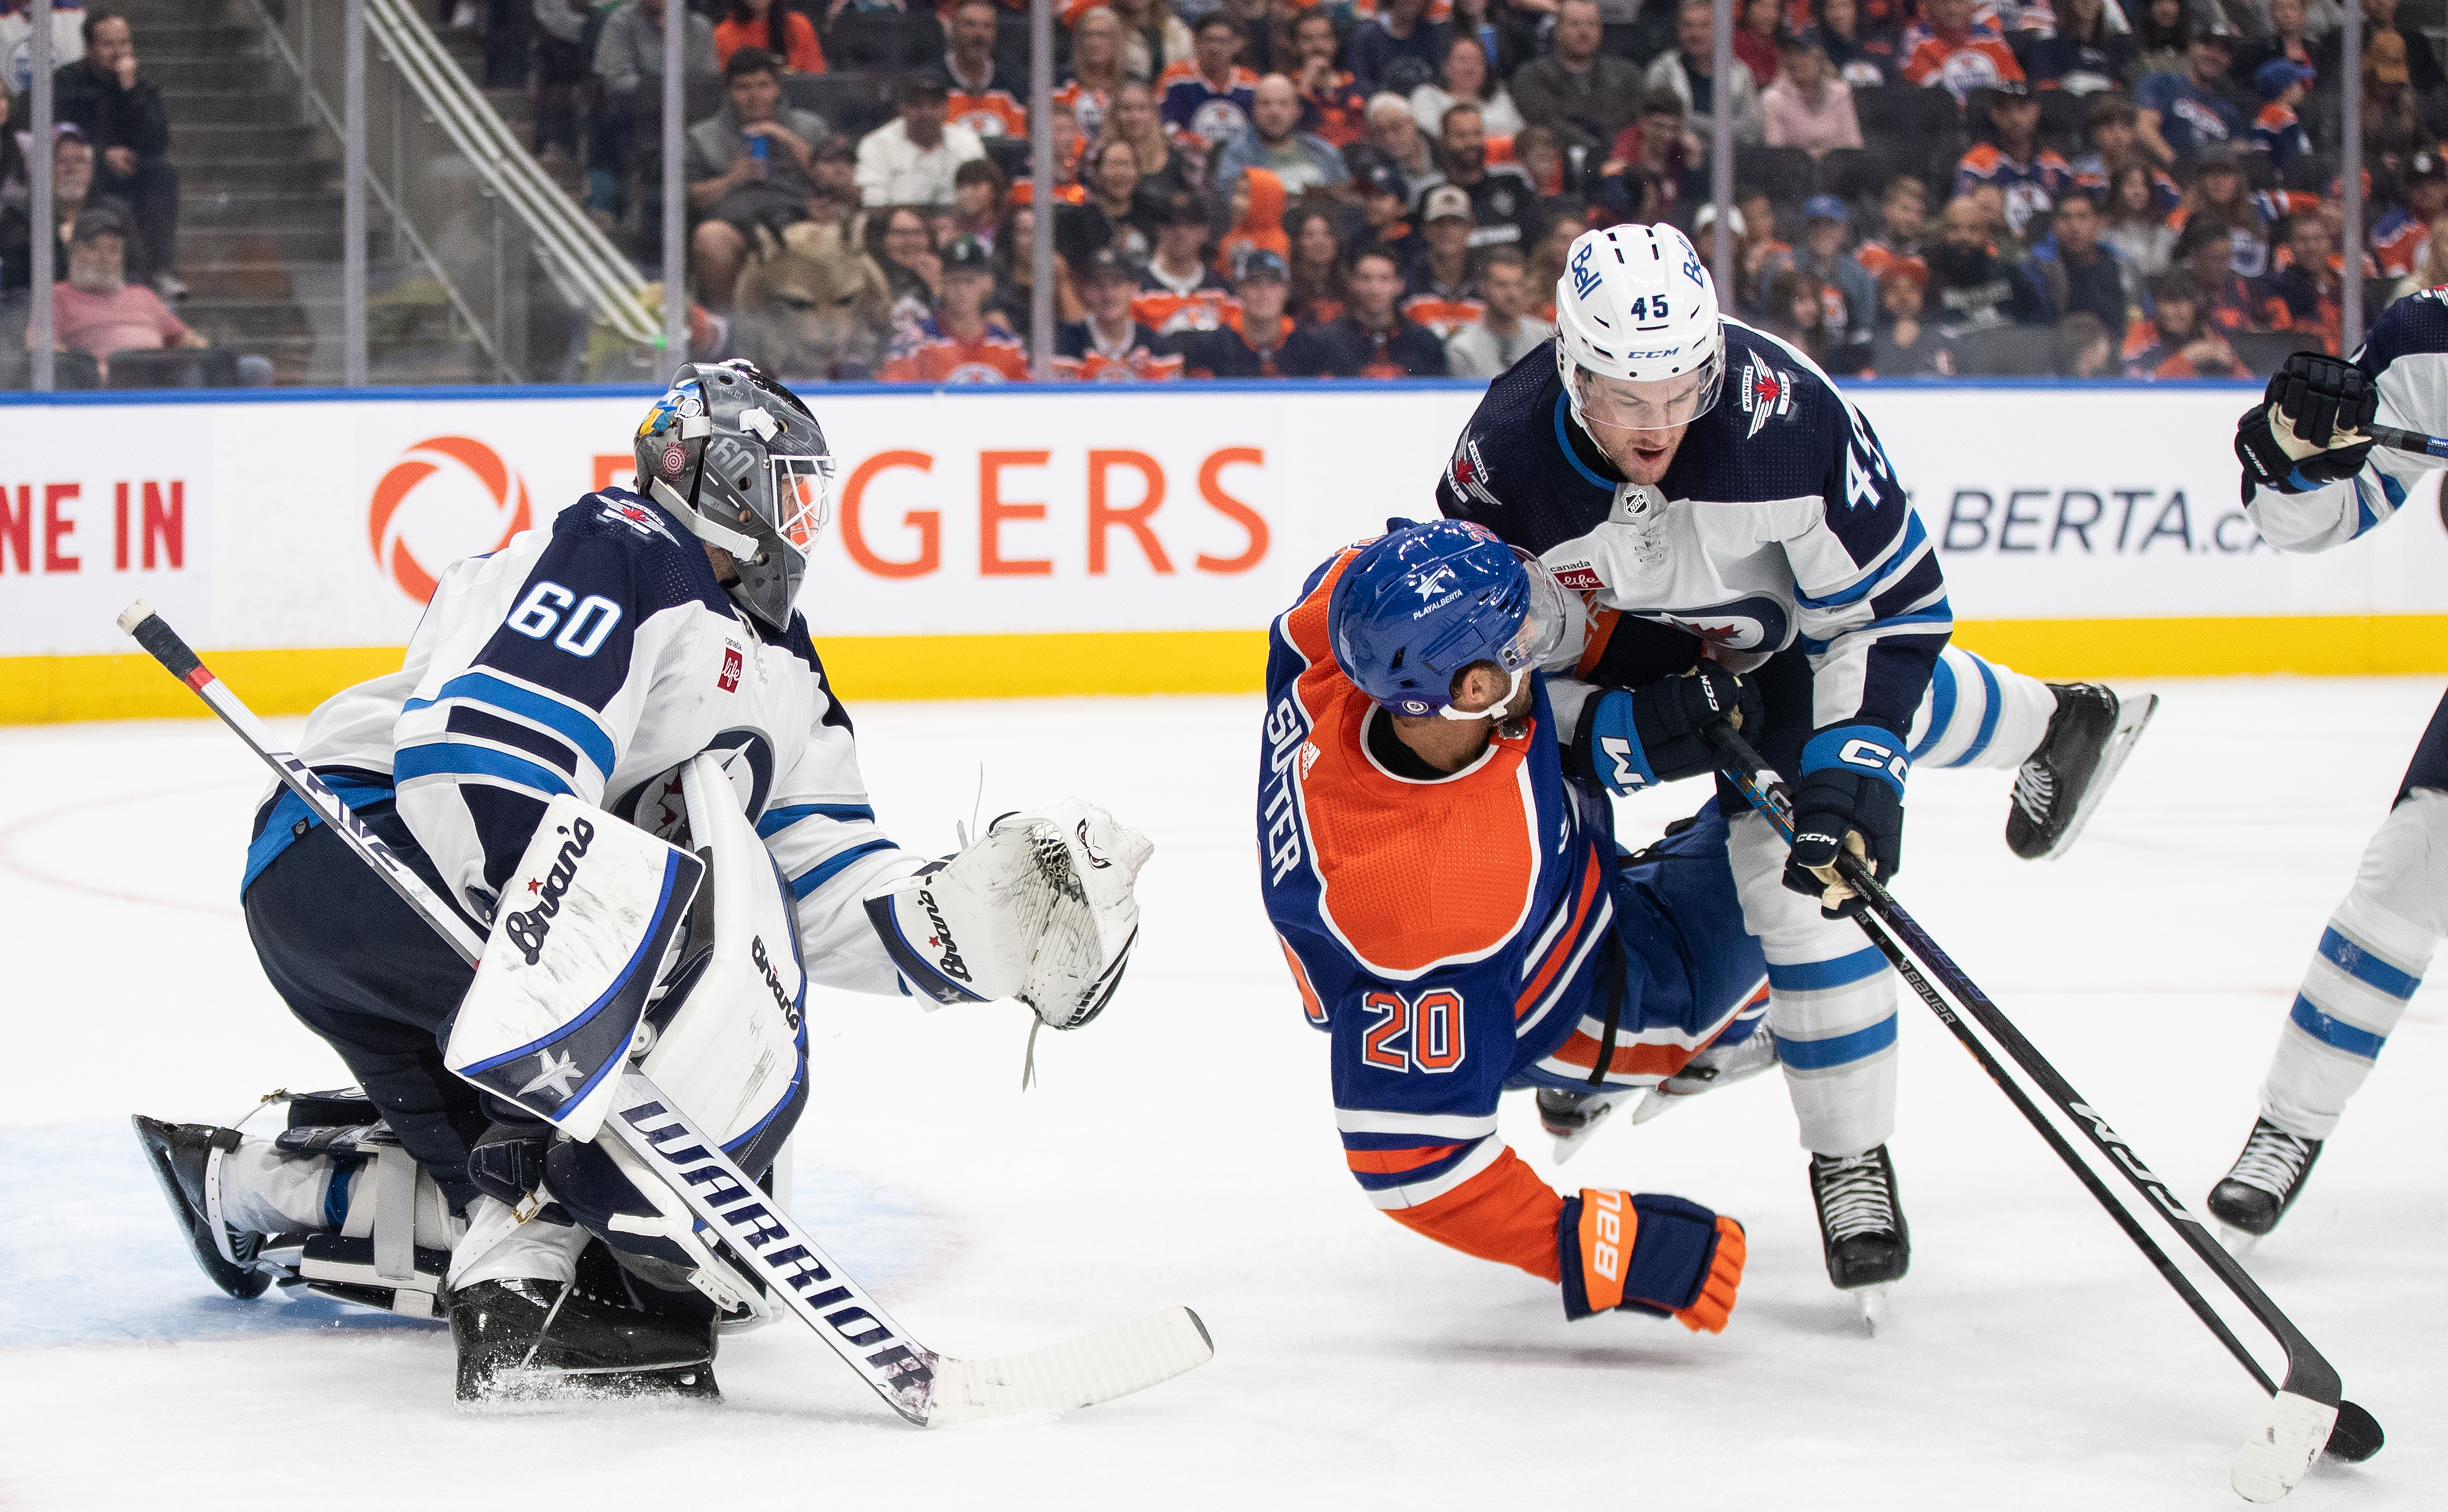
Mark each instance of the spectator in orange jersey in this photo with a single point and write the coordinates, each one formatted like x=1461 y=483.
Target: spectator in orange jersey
x=1332 y=104
x=1177 y=291
x=2305 y=292
x=1442 y=293
x=1096 y=69
x=1954 y=51
x=962 y=343
x=764 y=23
x=1255 y=326
x=2178 y=341
x=1904 y=218
x=1257 y=217
x=975 y=95
x=1372 y=340
x=1109 y=346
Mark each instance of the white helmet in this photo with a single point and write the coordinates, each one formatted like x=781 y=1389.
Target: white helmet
x=1635 y=305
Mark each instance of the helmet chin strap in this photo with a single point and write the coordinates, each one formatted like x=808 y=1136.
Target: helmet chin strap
x=743 y=546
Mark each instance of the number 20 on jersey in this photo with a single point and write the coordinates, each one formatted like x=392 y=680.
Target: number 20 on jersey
x=1414 y=1033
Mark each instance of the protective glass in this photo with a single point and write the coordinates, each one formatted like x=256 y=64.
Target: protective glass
x=1659 y=403
x=1549 y=618
x=803 y=498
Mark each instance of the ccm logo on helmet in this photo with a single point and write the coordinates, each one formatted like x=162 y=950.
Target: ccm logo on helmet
x=1661 y=352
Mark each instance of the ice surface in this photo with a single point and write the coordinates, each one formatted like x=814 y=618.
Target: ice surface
x=1181 y=1150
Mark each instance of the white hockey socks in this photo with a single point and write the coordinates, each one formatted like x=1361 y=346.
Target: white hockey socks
x=264 y=1191
x=499 y=1247
x=1979 y=714
x=2370 y=959
x=1831 y=1001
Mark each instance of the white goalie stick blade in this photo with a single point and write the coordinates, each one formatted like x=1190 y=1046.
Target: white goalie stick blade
x=1116 y=1362
x=2279 y=1454
x=915 y=1382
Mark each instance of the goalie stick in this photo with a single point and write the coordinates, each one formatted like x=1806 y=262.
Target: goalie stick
x=2309 y=1415
x=925 y=1387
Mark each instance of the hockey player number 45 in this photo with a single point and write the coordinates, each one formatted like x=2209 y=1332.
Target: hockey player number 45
x=1414 y=1033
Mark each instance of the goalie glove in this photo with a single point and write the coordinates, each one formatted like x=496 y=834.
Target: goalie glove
x=1040 y=908
x=2309 y=430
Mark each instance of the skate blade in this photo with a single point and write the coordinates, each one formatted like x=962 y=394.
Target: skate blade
x=2238 y=1242
x=1871 y=1301
x=2133 y=715
x=1568 y=1145
x=529 y=1386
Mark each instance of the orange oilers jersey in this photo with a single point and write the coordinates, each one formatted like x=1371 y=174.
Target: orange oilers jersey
x=991 y=114
x=1442 y=314
x=938 y=357
x=1087 y=106
x=1981 y=60
x=1461 y=935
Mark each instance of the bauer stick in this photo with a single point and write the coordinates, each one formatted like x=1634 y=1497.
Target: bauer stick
x=925 y=1387
x=2310 y=1414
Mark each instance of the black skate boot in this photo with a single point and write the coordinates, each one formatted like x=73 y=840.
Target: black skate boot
x=519 y=1338
x=2057 y=789
x=2264 y=1181
x=1860 y=1221
x=181 y=1154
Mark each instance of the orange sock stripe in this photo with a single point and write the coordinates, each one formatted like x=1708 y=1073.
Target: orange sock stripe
x=1505 y=1214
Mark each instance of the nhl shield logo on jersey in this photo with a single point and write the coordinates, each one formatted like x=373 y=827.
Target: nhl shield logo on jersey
x=1766 y=392
x=1468 y=471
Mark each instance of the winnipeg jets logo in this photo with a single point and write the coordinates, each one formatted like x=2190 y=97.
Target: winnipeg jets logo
x=556 y=1072
x=1469 y=472
x=1764 y=393
x=637 y=517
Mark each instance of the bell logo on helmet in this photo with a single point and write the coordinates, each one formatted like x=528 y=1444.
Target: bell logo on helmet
x=1585 y=275
x=1692 y=269
x=443 y=476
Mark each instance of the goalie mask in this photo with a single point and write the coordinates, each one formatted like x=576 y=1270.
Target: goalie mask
x=744 y=465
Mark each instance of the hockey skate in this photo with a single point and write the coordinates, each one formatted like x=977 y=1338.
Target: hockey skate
x=1719 y=1065
x=2264 y=1182
x=526 y=1339
x=1571 y=1118
x=1862 y=1226
x=182 y=1155
x=2057 y=790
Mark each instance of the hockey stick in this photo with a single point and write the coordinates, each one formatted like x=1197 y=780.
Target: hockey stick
x=2413 y=441
x=2310 y=1414
x=925 y=1387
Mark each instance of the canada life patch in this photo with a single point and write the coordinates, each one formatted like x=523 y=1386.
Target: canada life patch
x=1580 y=576
x=1764 y=393
x=732 y=662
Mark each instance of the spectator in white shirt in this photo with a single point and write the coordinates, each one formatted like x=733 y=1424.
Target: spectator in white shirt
x=1505 y=334
x=912 y=160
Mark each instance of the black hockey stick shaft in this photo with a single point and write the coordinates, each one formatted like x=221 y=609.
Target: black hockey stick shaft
x=2403 y=440
x=2309 y=1374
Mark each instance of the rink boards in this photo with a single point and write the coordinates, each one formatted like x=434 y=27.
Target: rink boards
x=990 y=543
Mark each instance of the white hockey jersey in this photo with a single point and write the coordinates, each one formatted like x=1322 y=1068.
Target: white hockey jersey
x=2406 y=354
x=592 y=658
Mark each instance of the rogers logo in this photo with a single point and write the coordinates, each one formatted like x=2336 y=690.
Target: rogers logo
x=452 y=478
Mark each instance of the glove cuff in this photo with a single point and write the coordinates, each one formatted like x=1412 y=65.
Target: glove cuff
x=1860 y=749
x=1614 y=745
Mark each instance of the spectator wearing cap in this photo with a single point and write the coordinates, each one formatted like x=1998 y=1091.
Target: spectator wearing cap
x=1973 y=287
x=2278 y=131
x=1845 y=287
x=911 y=158
x=960 y=342
x=2089 y=55
x=1506 y=332
x=1688 y=70
x=1439 y=289
x=2030 y=177
x=1903 y=221
x=2178 y=114
x=976 y=94
x=1333 y=105
x=1952 y=50
x=2178 y=341
x=1370 y=339
x=1177 y=290
x=2112 y=128
x=747 y=164
x=1501 y=198
x=2080 y=274
x=95 y=309
x=1805 y=106
x=1255 y=326
x=1660 y=147
x=1399 y=29
x=1396 y=136
x=1207 y=96
x=2397 y=236
x=1906 y=345
x=1276 y=143
x=1585 y=96
x=1109 y=346
x=105 y=96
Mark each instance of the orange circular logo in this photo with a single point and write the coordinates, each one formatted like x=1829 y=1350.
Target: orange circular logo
x=476 y=470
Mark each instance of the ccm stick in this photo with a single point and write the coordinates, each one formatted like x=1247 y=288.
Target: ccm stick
x=925 y=1387
x=2308 y=1414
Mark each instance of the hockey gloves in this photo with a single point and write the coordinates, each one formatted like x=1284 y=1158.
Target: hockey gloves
x=1851 y=794
x=2307 y=430
x=1650 y=1253
x=1660 y=733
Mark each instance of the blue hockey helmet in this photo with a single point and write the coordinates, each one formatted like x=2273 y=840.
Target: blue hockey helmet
x=1423 y=601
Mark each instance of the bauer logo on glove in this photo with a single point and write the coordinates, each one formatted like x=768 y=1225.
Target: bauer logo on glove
x=1041 y=909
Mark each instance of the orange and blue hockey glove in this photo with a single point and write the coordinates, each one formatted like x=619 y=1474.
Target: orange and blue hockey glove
x=1649 y=1254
